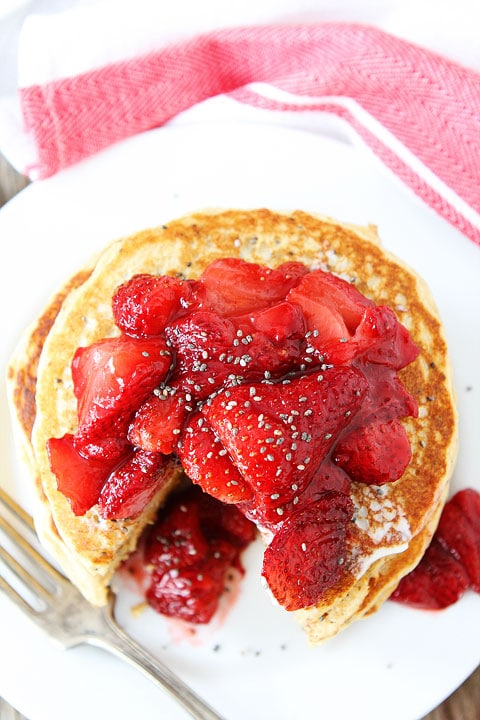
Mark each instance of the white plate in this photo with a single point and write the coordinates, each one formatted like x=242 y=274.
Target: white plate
x=254 y=663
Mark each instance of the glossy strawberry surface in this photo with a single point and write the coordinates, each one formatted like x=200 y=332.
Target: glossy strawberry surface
x=111 y=379
x=451 y=564
x=374 y=453
x=79 y=478
x=275 y=388
x=189 y=550
x=159 y=420
x=234 y=287
x=306 y=555
x=278 y=435
x=131 y=486
x=146 y=303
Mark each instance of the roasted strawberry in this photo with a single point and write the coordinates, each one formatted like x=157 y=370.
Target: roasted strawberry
x=189 y=550
x=112 y=378
x=212 y=351
x=206 y=462
x=307 y=555
x=279 y=322
x=381 y=338
x=437 y=582
x=143 y=305
x=459 y=532
x=375 y=453
x=277 y=435
x=328 y=477
x=204 y=350
x=333 y=307
x=388 y=397
x=177 y=539
x=228 y=523
x=451 y=564
x=80 y=479
x=192 y=593
x=234 y=287
x=130 y=487
x=159 y=421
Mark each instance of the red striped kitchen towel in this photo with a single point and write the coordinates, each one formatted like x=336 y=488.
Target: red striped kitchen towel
x=416 y=110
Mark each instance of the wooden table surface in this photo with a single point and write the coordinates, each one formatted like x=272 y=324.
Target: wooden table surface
x=464 y=704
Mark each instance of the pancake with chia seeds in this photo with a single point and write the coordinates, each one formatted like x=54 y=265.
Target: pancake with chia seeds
x=393 y=522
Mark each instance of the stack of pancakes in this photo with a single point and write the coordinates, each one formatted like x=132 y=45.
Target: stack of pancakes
x=395 y=522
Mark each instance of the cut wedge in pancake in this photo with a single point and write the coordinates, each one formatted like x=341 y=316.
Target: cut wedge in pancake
x=392 y=522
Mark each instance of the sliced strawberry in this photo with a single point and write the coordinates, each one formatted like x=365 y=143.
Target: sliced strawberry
x=328 y=477
x=205 y=351
x=189 y=549
x=279 y=322
x=192 y=593
x=379 y=338
x=130 y=487
x=78 y=478
x=319 y=291
x=292 y=273
x=212 y=351
x=184 y=526
x=306 y=556
x=234 y=287
x=177 y=539
x=277 y=435
x=206 y=463
x=376 y=453
x=388 y=397
x=437 y=582
x=143 y=305
x=459 y=532
x=383 y=339
x=159 y=421
x=112 y=378
x=451 y=564
x=230 y=524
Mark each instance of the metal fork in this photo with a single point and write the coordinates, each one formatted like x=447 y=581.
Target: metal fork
x=62 y=611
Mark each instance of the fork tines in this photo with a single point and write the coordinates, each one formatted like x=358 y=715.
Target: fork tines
x=35 y=578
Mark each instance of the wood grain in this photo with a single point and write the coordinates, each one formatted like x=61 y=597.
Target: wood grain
x=464 y=704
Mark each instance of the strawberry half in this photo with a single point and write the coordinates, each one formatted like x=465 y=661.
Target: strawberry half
x=305 y=556
x=143 y=305
x=459 y=532
x=189 y=549
x=159 y=421
x=279 y=322
x=451 y=564
x=333 y=307
x=437 y=582
x=212 y=351
x=204 y=351
x=234 y=287
x=80 y=479
x=192 y=593
x=374 y=453
x=176 y=538
x=207 y=464
x=379 y=339
x=131 y=486
x=277 y=435
x=112 y=378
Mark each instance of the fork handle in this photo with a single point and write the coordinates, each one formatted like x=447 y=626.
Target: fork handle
x=114 y=640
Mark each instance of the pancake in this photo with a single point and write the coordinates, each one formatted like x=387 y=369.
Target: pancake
x=394 y=523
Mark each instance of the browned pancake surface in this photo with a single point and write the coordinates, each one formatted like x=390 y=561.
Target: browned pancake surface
x=184 y=248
